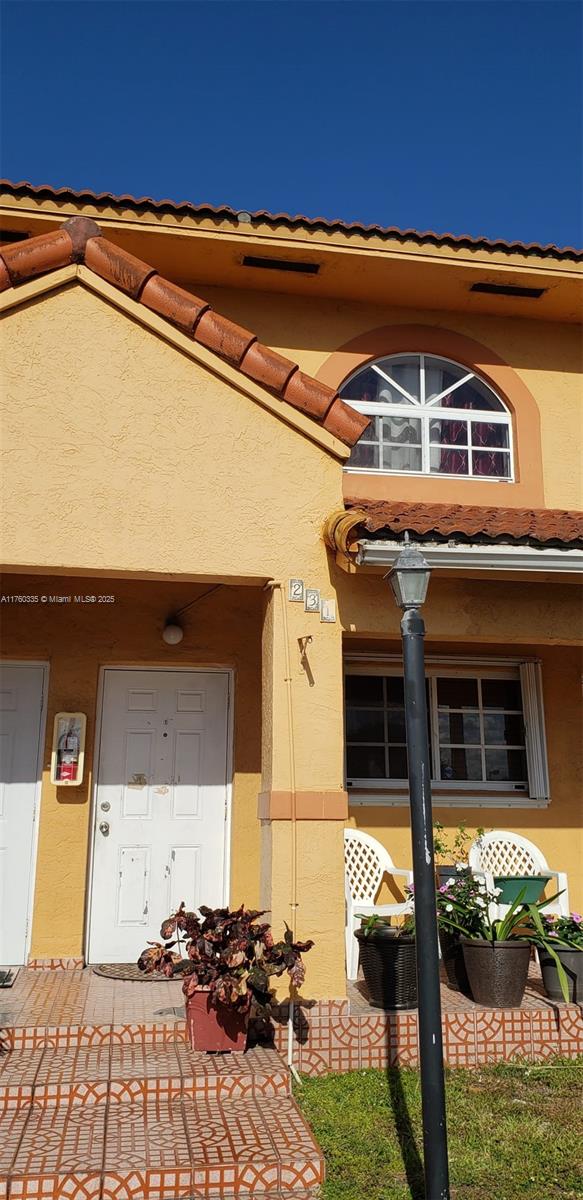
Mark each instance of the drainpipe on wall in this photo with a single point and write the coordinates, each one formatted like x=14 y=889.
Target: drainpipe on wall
x=294 y=844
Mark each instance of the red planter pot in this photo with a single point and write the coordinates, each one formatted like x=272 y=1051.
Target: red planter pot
x=214 y=1028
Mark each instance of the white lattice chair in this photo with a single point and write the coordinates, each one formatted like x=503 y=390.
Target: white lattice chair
x=366 y=861
x=503 y=853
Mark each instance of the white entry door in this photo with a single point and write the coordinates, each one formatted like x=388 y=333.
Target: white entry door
x=21 y=706
x=161 y=805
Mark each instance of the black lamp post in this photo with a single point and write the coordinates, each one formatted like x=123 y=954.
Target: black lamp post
x=409 y=579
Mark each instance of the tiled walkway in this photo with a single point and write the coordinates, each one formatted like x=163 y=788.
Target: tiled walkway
x=101 y=1097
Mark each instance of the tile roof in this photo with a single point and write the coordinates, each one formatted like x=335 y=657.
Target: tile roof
x=387 y=232
x=80 y=240
x=467 y=522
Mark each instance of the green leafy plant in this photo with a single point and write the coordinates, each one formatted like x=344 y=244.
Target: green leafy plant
x=373 y=921
x=566 y=930
x=455 y=850
x=226 y=952
x=465 y=907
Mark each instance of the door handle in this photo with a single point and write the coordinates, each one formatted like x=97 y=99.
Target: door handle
x=104 y=828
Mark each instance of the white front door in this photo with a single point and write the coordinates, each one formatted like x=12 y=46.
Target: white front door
x=161 y=804
x=21 y=706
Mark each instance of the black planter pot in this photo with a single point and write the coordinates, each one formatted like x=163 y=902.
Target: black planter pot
x=452 y=956
x=572 y=961
x=389 y=967
x=451 y=872
x=497 y=971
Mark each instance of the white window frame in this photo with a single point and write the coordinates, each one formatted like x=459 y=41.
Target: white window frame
x=457 y=793
x=426 y=411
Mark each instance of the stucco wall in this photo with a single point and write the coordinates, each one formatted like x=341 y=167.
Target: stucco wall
x=556 y=829
x=107 y=428
x=223 y=629
x=547 y=357
x=123 y=455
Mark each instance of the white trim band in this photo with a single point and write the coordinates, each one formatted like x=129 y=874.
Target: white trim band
x=453 y=555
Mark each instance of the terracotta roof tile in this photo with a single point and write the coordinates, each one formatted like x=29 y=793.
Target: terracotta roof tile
x=80 y=229
x=308 y=395
x=345 y=422
x=27 y=259
x=224 y=337
x=81 y=240
x=117 y=266
x=267 y=367
x=386 y=232
x=468 y=522
x=4 y=277
x=173 y=303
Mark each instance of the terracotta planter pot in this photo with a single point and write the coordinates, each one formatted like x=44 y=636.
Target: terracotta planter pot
x=497 y=971
x=572 y=961
x=389 y=967
x=213 y=1028
x=452 y=956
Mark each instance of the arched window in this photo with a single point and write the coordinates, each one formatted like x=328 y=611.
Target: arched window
x=429 y=416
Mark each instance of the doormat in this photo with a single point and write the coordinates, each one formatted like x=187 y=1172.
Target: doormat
x=128 y=971
x=7 y=976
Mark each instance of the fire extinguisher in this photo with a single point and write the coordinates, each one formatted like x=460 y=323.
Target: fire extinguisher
x=68 y=754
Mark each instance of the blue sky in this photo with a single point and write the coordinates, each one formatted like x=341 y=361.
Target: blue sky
x=457 y=115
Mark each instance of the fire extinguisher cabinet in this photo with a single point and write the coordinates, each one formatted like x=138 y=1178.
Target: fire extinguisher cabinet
x=68 y=749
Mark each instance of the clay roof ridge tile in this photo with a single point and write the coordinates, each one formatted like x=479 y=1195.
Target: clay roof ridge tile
x=117 y=266
x=80 y=239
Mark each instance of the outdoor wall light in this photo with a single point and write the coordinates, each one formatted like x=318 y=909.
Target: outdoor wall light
x=409 y=577
x=172 y=634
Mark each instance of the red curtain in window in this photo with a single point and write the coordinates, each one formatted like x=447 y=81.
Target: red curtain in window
x=484 y=434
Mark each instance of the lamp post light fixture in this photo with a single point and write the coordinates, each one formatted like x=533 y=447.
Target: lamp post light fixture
x=409 y=579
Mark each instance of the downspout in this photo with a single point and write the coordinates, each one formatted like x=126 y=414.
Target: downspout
x=294 y=841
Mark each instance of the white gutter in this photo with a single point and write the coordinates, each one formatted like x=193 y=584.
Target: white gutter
x=475 y=557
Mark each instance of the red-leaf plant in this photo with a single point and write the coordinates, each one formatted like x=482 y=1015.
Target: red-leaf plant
x=227 y=952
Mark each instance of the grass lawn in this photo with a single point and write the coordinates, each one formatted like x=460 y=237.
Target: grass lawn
x=515 y=1132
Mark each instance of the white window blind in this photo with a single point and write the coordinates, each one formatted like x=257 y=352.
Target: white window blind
x=534 y=720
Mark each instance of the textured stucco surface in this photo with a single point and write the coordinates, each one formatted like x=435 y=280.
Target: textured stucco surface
x=138 y=460
x=122 y=455
x=222 y=629
x=167 y=465
x=557 y=830
x=547 y=357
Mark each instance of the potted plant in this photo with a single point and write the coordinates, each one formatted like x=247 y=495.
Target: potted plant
x=387 y=957
x=566 y=934
x=530 y=887
x=497 y=951
x=465 y=890
x=227 y=961
x=451 y=859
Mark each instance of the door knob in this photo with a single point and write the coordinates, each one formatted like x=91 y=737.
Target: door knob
x=104 y=828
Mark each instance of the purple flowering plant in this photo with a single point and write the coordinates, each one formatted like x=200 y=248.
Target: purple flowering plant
x=567 y=931
x=466 y=907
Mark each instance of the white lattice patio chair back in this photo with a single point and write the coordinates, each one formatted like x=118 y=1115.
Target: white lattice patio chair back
x=366 y=861
x=501 y=852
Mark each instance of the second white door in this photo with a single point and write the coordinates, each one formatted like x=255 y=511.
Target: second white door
x=161 y=804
